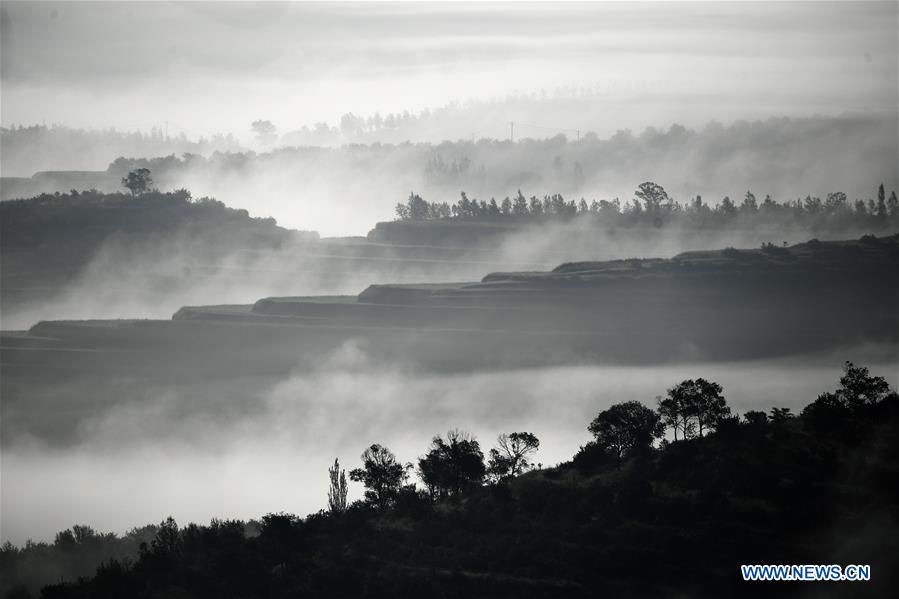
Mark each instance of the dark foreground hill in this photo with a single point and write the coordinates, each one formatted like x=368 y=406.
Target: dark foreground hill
x=677 y=521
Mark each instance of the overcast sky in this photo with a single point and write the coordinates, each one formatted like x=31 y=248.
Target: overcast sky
x=207 y=67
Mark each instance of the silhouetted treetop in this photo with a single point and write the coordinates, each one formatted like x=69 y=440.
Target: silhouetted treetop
x=381 y=474
x=452 y=465
x=652 y=206
x=625 y=428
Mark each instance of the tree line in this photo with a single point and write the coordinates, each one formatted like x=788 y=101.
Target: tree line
x=653 y=205
x=455 y=464
x=635 y=501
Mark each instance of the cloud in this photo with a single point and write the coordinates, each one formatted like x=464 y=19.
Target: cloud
x=214 y=66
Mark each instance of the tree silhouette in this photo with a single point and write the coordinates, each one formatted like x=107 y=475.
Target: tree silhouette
x=755 y=418
x=338 y=490
x=625 y=428
x=167 y=543
x=851 y=406
x=381 y=475
x=699 y=405
x=452 y=465
x=780 y=415
x=653 y=196
x=705 y=404
x=138 y=181
x=858 y=388
x=881 y=209
x=673 y=413
x=510 y=458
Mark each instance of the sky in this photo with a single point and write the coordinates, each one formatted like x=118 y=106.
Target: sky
x=212 y=67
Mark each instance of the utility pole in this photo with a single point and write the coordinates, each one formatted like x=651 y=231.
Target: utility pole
x=512 y=131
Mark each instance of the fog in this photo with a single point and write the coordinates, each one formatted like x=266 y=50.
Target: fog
x=248 y=447
x=343 y=192
x=346 y=190
x=153 y=278
x=297 y=64
x=370 y=103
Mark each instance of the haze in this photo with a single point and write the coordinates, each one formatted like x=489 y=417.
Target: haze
x=205 y=67
x=220 y=413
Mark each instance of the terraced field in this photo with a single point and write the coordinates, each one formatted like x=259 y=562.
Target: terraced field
x=723 y=305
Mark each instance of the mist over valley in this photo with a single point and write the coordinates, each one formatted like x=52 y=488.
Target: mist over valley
x=420 y=300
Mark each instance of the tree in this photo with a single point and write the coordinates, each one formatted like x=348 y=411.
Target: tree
x=415 y=208
x=520 y=205
x=750 y=205
x=653 y=196
x=264 y=131
x=381 y=474
x=881 y=210
x=673 y=414
x=859 y=389
x=705 y=404
x=138 y=181
x=847 y=409
x=510 y=458
x=626 y=428
x=452 y=465
x=834 y=202
x=351 y=124
x=755 y=418
x=727 y=207
x=338 y=490
x=699 y=405
x=167 y=542
x=780 y=415
x=827 y=414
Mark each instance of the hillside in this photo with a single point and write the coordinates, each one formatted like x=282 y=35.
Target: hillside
x=47 y=241
x=715 y=307
x=669 y=522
